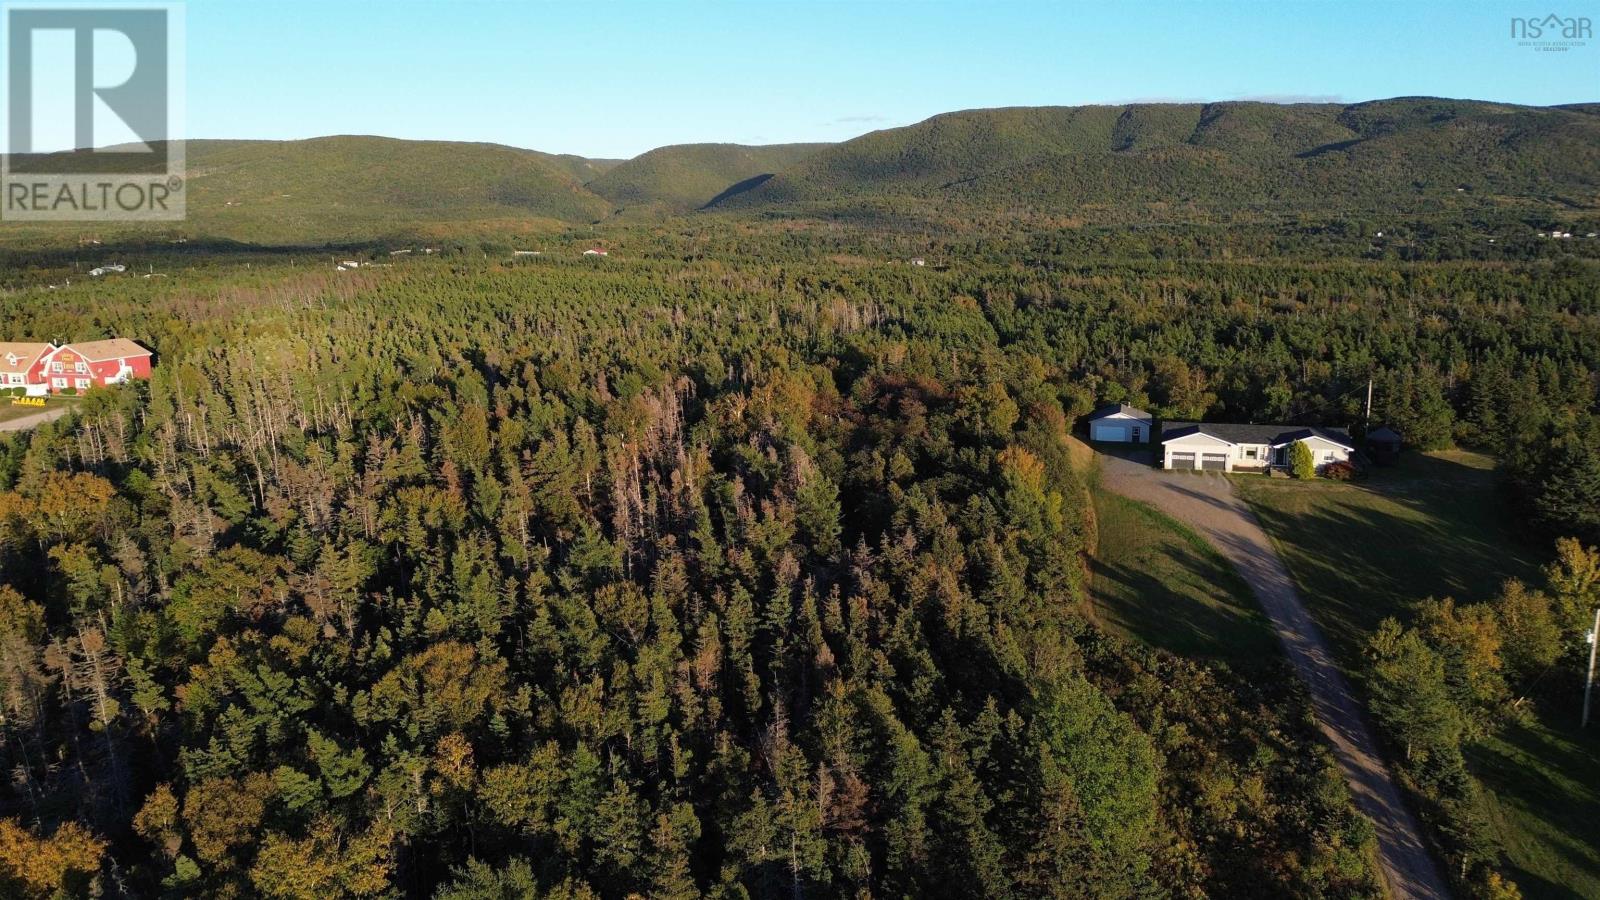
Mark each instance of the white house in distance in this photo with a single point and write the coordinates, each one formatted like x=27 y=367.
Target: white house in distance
x=1121 y=423
x=1248 y=448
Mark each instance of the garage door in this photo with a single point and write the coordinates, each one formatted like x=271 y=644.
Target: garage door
x=1215 y=461
x=1182 y=461
x=1107 y=432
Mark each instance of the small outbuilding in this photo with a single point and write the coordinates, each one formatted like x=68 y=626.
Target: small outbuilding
x=1383 y=445
x=1120 y=423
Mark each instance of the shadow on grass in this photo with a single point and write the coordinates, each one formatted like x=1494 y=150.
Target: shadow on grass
x=1435 y=526
x=1541 y=783
x=1143 y=454
x=1158 y=581
x=1364 y=551
x=1147 y=607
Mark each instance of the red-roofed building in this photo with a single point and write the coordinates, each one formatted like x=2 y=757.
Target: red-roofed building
x=22 y=364
x=94 y=363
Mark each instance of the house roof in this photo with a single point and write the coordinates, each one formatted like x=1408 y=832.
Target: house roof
x=111 y=348
x=1384 y=433
x=1241 y=433
x=25 y=354
x=1113 y=409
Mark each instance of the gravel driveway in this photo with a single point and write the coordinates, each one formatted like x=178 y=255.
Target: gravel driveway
x=1207 y=502
x=23 y=423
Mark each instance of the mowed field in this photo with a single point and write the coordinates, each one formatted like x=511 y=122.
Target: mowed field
x=1155 y=580
x=1434 y=526
x=1429 y=527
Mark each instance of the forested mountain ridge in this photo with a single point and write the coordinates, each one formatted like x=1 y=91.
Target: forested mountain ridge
x=340 y=187
x=1390 y=155
x=360 y=187
x=1448 y=160
x=685 y=177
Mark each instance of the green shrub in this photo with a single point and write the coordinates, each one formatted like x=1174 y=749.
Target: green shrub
x=1300 y=461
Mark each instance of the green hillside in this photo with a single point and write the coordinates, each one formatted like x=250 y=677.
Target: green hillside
x=1108 y=164
x=688 y=176
x=1409 y=155
x=358 y=187
x=341 y=187
x=581 y=168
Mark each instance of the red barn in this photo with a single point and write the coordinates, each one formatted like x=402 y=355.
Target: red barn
x=90 y=363
x=22 y=364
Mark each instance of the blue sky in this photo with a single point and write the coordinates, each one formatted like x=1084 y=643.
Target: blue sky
x=615 y=79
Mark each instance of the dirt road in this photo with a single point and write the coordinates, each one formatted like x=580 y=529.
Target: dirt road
x=23 y=423
x=1207 y=502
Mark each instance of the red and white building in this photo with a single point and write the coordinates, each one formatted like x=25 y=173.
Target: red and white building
x=46 y=368
x=22 y=364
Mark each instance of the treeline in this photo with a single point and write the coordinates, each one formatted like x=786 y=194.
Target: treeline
x=468 y=581
x=1458 y=674
x=1499 y=358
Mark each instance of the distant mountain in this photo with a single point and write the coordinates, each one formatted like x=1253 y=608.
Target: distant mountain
x=339 y=187
x=1142 y=162
x=581 y=168
x=359 y=188
x=1409 y=154
x=688 y=176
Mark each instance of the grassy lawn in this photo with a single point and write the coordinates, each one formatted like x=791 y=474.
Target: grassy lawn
x=1542 y=791
x=1429 y=527
x=9 y=410
x=1159 y=582
x=1433 y=526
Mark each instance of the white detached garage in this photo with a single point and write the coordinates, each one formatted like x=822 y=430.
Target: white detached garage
x=1120 y=423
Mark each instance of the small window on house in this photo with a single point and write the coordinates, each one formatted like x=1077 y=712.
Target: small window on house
x=1249 y=453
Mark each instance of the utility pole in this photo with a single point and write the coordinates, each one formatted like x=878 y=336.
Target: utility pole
x=1588 y=680
x=1366 y=421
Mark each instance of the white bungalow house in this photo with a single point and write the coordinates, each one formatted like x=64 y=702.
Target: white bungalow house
x=1121 y=423
x=1248 y=448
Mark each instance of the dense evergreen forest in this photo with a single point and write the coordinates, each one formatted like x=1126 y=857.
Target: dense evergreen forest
x=742 y=565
